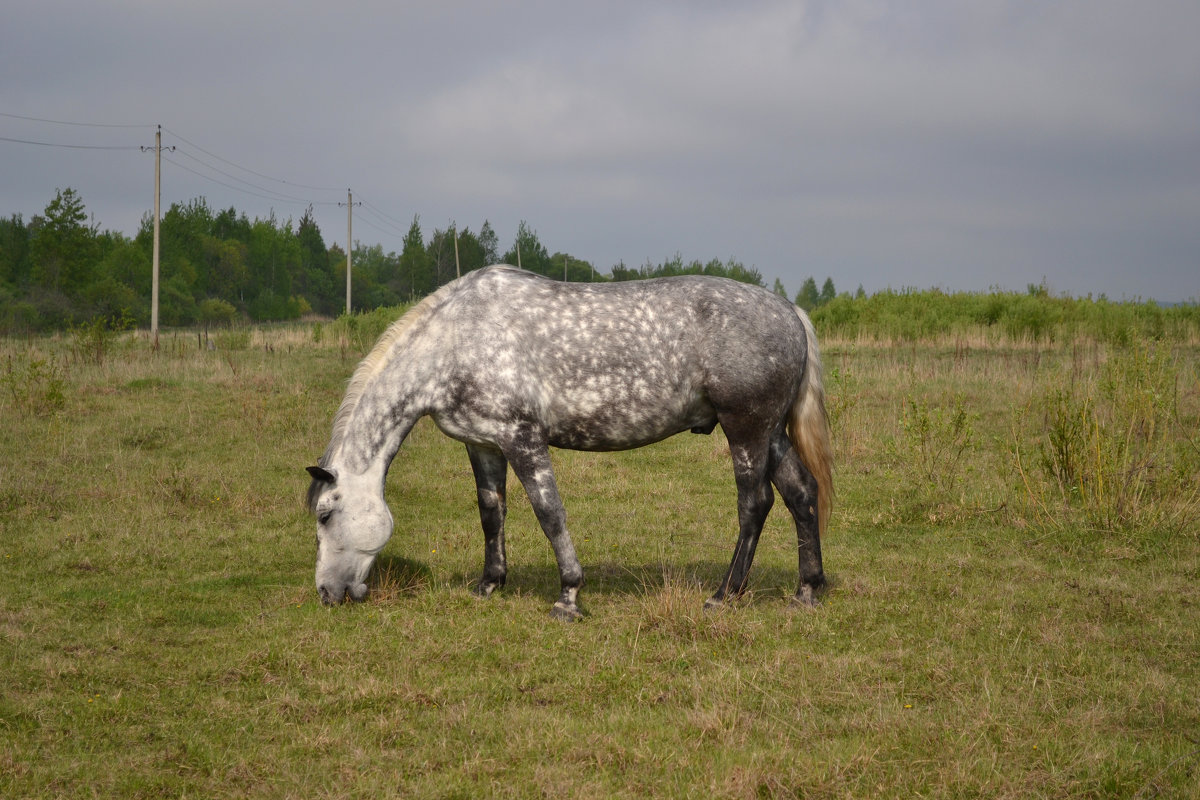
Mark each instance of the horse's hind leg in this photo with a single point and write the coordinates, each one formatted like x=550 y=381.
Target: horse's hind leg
x=799 y=490
x=491 y=474
x=755 y=499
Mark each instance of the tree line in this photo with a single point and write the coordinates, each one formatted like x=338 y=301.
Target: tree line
x=58 y=270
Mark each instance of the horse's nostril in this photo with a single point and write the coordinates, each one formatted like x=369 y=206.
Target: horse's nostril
x=327 y=596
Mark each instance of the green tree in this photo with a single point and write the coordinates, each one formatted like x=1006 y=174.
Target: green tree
x=620 y=272
x=490 y=244
x=416 y=271
x=315 y=281
x=779 y=290
x=120 y=288
x=374 y=270
x=471 y=253
x=63 y=248
x=529 y=253
x=214 y=310
x=576 y=270
x=808 y=297
x=440 y=251
x=14 y=252
x=226 y=268
x=827 y=291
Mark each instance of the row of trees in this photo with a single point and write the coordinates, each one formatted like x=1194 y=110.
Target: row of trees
x=58 y=269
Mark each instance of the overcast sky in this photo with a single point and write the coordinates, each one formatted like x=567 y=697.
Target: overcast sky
x=887 y=143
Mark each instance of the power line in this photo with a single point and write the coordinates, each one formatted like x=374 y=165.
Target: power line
x=63 y=122
x=376 y=209
x=240 y=180
x=391 y=229
x=384 y=224
x=252 y=172
x=367 y=221
x=71 y=146
x=277 y=199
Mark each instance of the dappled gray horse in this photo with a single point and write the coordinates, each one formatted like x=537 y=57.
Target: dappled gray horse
x=511 y=364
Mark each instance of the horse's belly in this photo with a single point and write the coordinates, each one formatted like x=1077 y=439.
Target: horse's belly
x=618 y=425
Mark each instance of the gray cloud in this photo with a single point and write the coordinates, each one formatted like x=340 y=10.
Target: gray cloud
x=941 y=143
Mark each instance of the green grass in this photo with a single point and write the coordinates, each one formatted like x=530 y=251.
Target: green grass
x=160 y=634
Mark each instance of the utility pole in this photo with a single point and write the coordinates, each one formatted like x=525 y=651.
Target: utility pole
x=157 y=216
x=349 y=240
x=457 y=268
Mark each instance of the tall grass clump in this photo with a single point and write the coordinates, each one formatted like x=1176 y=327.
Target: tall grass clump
x=355 y=334
x=33 y=385
x=933 y=458
x=92 y=341
x=1114 y=450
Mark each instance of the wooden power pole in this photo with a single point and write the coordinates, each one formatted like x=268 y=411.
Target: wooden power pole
x=349 y=241
x=157 y=217
x=457 y=268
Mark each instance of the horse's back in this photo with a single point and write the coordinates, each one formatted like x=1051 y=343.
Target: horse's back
x=616 y=365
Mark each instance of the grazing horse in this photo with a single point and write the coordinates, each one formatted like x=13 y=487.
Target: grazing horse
x=511 y=364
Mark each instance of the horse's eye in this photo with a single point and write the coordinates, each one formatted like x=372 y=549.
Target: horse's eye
x=323 y=519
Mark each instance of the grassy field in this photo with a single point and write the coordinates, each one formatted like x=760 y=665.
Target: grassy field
x=1014 y=608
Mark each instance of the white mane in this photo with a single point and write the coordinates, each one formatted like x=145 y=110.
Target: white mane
x=373 y=364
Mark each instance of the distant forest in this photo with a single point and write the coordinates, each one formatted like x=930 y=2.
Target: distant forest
x=57 y=271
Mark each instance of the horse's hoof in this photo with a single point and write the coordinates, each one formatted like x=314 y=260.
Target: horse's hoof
x=484 y=589
x=713 y=605
x=566 y=613
x=806 y=598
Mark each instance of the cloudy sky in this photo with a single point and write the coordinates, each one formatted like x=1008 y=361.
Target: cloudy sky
x=962 y=145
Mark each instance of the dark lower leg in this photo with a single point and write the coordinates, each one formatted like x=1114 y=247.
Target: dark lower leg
x=491 y=472
x=798 y=488
x=754 y=503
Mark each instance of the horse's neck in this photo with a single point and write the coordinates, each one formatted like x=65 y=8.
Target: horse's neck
x=383 y=417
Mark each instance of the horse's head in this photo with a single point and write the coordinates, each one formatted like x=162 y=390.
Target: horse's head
x=353 y=525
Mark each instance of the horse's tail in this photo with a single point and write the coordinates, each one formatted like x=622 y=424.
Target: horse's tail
x=808 y=426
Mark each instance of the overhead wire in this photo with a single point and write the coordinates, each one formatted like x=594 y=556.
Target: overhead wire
x=377 y=210
x=252 y=172
x=280 y=195
x=383 y=222
x=71 y=146
x=366 y=221
x=77 y=124
x=380 y=220
x=276 y=199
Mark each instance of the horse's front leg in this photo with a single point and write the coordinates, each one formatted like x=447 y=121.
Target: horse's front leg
x=491 y=475
x=531 y=464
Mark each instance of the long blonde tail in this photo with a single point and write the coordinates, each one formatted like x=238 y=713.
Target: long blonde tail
x=808 y=427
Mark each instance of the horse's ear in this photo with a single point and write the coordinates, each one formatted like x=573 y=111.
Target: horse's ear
x=322 y=474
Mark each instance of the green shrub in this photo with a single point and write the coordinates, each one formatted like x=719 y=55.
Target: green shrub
x=1107 y=452
x=34 y=386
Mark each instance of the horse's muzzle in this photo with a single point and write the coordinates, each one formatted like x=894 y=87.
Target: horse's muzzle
x=334 y=595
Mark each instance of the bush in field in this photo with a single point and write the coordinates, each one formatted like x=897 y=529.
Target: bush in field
x=358 y=332
x=1109 y=451
x=934 y=452
x=92 y=340
x=34 y=385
